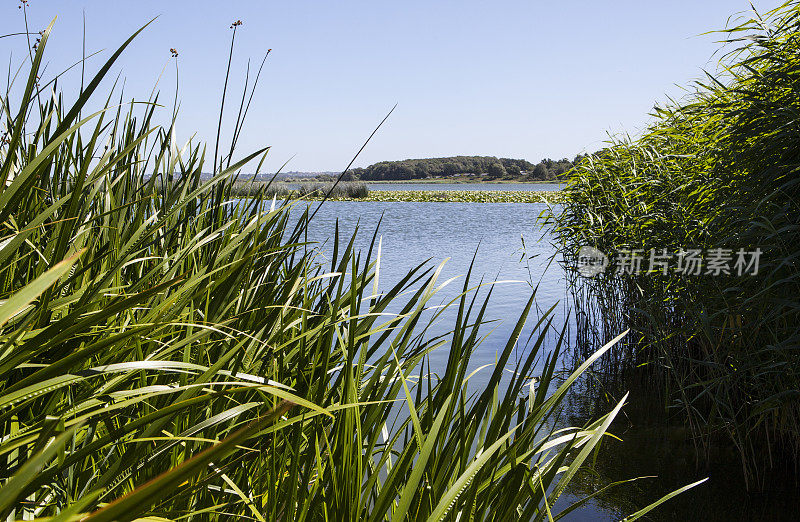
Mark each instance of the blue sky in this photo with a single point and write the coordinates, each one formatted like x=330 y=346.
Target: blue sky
x=521 y=79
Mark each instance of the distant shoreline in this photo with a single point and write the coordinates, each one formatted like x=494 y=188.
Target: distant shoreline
x=464 y=181
x=434 y=181
x=449 y=196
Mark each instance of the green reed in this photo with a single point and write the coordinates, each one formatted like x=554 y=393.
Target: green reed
x=168 y=352
x=309 y=190
x=716 y=170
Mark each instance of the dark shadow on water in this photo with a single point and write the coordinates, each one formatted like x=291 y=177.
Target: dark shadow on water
x=655 y=444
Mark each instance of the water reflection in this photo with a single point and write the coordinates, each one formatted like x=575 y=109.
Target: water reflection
x=505 y=240
x=507 y=243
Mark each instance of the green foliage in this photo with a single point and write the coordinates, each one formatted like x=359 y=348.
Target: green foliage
x=462 y=165
x=166 y=353
x=308 y=190
x=716 y=171
x=465 y=196
x=359 y=192
x=496 y=170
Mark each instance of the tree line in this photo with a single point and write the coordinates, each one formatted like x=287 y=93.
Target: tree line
x=485 y=166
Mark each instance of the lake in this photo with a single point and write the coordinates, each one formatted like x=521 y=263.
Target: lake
x=509 y=244
x=413 y=233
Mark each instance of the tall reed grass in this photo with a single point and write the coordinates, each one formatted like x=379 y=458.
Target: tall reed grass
x=166 y=352
x=718 y=169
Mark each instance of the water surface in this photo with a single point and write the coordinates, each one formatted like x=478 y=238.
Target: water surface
x=508 y=243
x=505 y=239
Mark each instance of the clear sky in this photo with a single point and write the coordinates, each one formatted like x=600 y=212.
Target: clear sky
x=521 y=79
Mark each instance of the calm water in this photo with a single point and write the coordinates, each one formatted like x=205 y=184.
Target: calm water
x=509 y=245
x=413 y=233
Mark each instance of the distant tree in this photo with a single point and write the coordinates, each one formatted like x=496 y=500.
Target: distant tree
x=509 y=164
x=496 y=170
x=404 y=172
x=460 y=165
x=353 y=174
x=539 y=171
x=450 y=169
x=559 y=169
